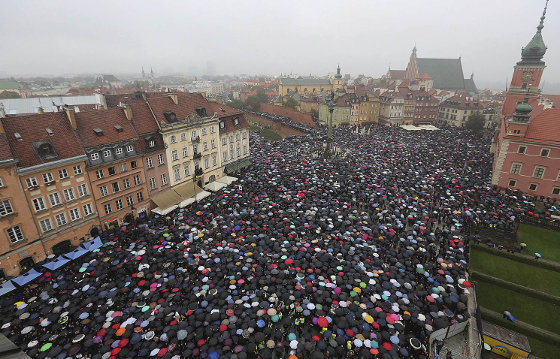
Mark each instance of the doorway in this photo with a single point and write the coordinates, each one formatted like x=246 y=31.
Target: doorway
x=26 y=264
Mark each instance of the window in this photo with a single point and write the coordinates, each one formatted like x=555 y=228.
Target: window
x=237 y=137
x=231 y=139
x=107 y=153
x=205 y=145
x=133 y=165
x=222 y=124
x=212 y=130
x=1 y=182
x=31 y=182
x=74 y=214
x=149 y=162
x=87 y=209
x=77 y=170
x=244 y=136
x=516 y=167
x=224 y=141
x=538 y=172
x=245 y=149
x=39 y=204
x=206 y=163
x=15 y=234
x=54 y=198
x=512 y=183
x=183 y=136
x=193 y=135
x=48 y=177
x=103 y=191
x=123 y=167
x=99 y=174
x=153 y=183
x=136 y=180
x=238 y=152
x=160 y=159
x=118 y=204
x=60 y=219
x=163 y=179
x=151 y=143
x=129 y=148
x=177 y=173
x=139 y=196
x=224 y=156
x=556 y=190
x=116 y=187
x=107 y=208
x=46 y=225
x=63 y=173
x=522 y=149
x=112 y=171
x=118 y=151
x=82 y=190
x=533 y=187
x=214 y=160
x=187 y=171
x=126 y=183
x=69 y=194
x=213 y=143
x=129 y=201
x=185 y=152
x=203 y=131
x=173 y=139
x=545 y=152
x=231 y=155
x=174 y=155
x=6 y=208
x=94 y=156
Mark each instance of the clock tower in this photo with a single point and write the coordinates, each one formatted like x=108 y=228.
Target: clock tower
x=527 y=73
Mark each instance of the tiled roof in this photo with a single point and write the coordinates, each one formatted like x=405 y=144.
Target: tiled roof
x=221 y=110
x=425 y=76
x=187 y=102
x=229 y=125
x=142 y=118
x=5 y=152
x=545 y=126
x=106 y=121
x=555 y=99
x=304 y=82
x=32 y=128
x=127 y=98
x=511 y=103
x=397 y=74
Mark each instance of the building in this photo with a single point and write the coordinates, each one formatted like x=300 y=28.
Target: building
x=527 y=146
x=51 y=166
x=341 y=111
x=16 y=221
x=455 y=111
x=114 y=163
x=444 y=74
x=234 y=141
x=310 y=86
x=310 y=104
x=22 y=106
x=391 y=108
x=11 y=86
x=369 y=109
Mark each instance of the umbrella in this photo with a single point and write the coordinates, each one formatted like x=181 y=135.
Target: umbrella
x=538 y=255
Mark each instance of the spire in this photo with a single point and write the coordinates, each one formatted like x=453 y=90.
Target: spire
x=338 y=74
x=535 y=49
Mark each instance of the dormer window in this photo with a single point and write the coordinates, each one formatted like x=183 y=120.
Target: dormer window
x=49 y=131
x=107 y=153
x=151 y=143
x=236 y=121
x=118 y=151
x=98 y=131
x=129 y=148
x=94 y=156
x=45 y=149
x=222 y=124
x=119 y=128
x=18 y=136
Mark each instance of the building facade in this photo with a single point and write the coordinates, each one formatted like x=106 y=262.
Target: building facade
x=234 y=143
x=52 y=171
x=341 y=111
x=527 y=147
x=315 y=87
x=369 y=109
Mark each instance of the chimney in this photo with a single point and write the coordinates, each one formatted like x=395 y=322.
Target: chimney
x=127 y=111
x=174 y=97
x=40 y=110
x=71 y=117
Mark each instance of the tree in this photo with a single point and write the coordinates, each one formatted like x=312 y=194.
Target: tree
x=290 y=102
x=475 y=122
x=9 y=94
x=253 y=102
x=314 y=113
x=236 y=104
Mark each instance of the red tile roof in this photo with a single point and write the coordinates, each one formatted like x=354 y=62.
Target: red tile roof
x=555 y=99
x=32 y=128
x=511 y=103
x=187 y=102
x=5 y=151
x=397 y=74
x=142 y=119
x=106 y=121
x=425 y=76
x=229 y=125
x=545 y=126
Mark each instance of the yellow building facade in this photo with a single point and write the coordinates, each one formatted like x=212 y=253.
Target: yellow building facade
x=310 y=86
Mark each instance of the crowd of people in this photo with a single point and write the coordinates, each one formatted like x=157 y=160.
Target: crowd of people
x=286 y=121
x=306 y=256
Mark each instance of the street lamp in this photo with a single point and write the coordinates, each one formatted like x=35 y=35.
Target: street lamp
x=329 y=133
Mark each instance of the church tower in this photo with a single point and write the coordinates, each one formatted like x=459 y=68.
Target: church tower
x=337 y=82
x=412 y=67
x=527 y=73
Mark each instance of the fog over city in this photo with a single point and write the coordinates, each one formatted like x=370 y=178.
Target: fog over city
x=264 y=37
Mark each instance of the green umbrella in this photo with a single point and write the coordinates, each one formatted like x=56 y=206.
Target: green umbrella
x=45 y=347
x=420 y=270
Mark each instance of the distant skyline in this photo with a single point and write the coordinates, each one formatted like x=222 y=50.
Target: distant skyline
x=62 y=37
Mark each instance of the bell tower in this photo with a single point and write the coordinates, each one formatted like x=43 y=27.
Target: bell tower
x=527 y=73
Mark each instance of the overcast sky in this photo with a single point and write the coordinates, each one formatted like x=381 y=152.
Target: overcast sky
x=272 y=37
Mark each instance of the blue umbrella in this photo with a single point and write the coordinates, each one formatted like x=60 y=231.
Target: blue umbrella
x=538 y=255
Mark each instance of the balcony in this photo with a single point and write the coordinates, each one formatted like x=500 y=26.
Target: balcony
x=197 y=156
x=196 y=139
x=198 y=172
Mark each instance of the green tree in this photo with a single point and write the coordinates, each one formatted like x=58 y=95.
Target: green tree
x=253 y=102
x=9 y=94
x=290 y=102
x=475 y=122
x=314 y=113
x=236 y=104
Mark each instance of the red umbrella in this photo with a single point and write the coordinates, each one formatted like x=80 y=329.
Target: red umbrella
x=323 y=322
x=387 y=346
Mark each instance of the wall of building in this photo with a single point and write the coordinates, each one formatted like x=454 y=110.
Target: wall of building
x=157 y=171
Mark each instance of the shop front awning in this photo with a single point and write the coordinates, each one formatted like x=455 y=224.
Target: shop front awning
x=227 y=179
x=214 y=186
x=164 y=211
x=167 y=198
x=238 y=165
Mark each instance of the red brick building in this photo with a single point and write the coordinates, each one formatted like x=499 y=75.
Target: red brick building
x=527 y=147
